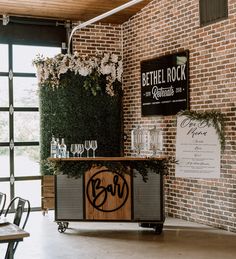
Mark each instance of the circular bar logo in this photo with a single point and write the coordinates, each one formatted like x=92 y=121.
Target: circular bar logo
x=107 y=191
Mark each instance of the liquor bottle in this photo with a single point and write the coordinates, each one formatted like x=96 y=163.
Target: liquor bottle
x=53 y=148
x=63 y=148
x=58 y=148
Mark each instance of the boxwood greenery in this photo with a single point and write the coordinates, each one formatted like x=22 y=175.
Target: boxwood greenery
x=76 y=114
x=216 y=118
x=77 y=168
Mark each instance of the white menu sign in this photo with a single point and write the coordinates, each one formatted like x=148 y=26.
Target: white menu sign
x=197 y=149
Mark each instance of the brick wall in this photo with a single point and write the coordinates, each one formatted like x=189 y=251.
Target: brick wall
x=98 y=38
x=164 y=27
x=168 y=26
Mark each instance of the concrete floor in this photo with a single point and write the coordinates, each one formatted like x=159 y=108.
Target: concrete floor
x=180 y=239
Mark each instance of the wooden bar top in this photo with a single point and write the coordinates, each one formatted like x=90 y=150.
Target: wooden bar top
x=107 y=158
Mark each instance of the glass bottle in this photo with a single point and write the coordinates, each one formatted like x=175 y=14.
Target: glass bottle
x=63 y=148
x=53 y=148
x=58 y=148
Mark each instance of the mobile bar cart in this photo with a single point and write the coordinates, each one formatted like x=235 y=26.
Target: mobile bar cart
x=100 y=194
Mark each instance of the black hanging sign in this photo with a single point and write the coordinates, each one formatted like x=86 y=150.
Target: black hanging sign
x=164 y=84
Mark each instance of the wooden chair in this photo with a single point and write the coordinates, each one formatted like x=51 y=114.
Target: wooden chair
x=2 y=202
x=20 y=219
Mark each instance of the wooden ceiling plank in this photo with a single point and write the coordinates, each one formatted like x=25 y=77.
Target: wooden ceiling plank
x=70 y=9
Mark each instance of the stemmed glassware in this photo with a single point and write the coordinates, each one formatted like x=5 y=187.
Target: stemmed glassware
x=87 y=146
x=73 y=149
x=93 y=145
x=81 y=149
x=77 y=149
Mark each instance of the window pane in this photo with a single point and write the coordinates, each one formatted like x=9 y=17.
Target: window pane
x=4 y=58
x=26 y=161
x=4 y=99
x=25 y=92
x=213 y=10
x=5 y=188
x=26 y=126
x=4 y=162
x=24 y=55
x=30 y=190
x=4 y=126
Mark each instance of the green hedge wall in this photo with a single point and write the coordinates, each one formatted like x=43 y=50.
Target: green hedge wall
x=72 y=112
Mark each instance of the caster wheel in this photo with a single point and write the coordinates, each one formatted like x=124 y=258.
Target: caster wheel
x=61 y=229
x=62 y=226
x=144 y=225
x=158 y=228
x=66 y=224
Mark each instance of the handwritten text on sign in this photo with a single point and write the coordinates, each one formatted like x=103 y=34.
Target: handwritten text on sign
x=197 y=149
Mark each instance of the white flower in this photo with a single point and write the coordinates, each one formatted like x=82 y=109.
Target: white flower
x=105 y=69
x=62 y=70
x=114 y=58
x=45 y=71
x=50 y=69
x=119 y=71
x=105 y=58
x=39 y=70
x=76 y=54
x=84 y=71
x=110 y=90
x=113 y=72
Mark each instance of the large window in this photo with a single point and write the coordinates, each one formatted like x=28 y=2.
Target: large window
x=212 y=11
x=19 y=121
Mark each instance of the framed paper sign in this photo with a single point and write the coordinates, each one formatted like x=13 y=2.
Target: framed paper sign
x=164 y=84
x=197 y=149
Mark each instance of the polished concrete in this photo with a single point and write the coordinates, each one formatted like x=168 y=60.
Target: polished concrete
x=180 y=239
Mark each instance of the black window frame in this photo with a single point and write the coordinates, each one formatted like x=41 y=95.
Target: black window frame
x=31 y=32
x=212 y=11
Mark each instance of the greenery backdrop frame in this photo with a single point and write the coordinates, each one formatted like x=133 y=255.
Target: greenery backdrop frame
x=80 y=107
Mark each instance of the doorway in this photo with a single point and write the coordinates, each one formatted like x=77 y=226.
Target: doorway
x=19 y=121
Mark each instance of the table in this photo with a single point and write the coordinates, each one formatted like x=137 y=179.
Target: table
x=10 y=233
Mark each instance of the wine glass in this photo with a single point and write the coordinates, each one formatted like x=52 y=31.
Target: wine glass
x=94 y=146
x=87 y=146
x=78 y=150
x=73 y=149
x=81 y=149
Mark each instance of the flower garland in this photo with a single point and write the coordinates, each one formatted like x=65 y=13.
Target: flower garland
x=50 y=70
x=216 y=118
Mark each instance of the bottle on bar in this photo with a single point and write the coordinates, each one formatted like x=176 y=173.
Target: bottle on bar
x=58 y=148
x=63 y=148
x=53 y=148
